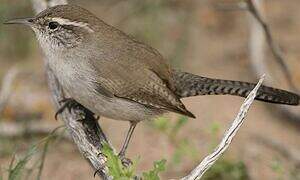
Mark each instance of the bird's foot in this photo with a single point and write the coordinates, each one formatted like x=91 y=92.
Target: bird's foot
x=125 y=161
x=68 y=103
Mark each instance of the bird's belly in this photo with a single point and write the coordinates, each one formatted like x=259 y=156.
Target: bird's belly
x=122 y=109
x=111 y=107
x=114 y=108
x=74 y=82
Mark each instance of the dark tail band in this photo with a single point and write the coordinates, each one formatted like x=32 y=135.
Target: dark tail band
x=192 y=85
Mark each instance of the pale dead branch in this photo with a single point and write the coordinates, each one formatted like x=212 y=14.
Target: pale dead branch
x=259 y=31
x=257 y=44
x=255 y=9
x=6 y=87
x=209 y=160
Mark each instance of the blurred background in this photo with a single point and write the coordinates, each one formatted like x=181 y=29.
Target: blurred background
x=206 y=37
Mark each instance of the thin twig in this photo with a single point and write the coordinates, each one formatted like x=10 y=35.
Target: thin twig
x=260 y=30
x=209 y=160
x=257 y=44
x=274 y=47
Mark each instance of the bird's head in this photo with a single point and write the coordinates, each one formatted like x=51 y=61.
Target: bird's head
x=60 y=27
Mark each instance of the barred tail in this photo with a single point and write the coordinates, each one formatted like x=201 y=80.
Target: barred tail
x=187 y=85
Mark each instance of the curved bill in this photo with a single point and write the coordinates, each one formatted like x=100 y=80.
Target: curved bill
x=25 y=21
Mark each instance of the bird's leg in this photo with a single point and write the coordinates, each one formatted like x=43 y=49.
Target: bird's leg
x=126 y=142
x=68 y=103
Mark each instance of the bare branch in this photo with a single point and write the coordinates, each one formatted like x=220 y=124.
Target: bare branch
x=257 y=44
x=6 y=87
x=275 y=49
x=88 y=136
x=209 y=160
x=258 y=31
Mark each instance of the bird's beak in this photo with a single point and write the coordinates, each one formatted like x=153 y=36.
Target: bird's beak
x=25 y=21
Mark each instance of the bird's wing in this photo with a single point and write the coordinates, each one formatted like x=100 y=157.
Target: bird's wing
x=136 y=72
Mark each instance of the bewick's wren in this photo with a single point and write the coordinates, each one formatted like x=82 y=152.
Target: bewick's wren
x=116 y=76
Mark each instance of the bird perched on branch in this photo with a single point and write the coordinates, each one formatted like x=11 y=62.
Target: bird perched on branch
x=116 y=76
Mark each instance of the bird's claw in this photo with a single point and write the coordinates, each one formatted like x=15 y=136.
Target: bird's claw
x=98 y=171
x=68 y=103
x=125 y=161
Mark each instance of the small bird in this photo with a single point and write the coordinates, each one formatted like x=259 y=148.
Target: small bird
x=116 y=76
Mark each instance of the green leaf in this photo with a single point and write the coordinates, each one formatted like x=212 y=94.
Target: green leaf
x=225 y=169
x=16 y=168
x=16 y=171
x=184 y=148
x=159 y=166
x=115 y=166
x=162 y=124
x=44 y=153
x=178 y=125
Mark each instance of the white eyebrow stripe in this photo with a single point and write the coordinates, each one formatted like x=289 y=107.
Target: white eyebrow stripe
x=63 y=21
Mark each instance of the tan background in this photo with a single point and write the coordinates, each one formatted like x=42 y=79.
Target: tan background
x=196 y=37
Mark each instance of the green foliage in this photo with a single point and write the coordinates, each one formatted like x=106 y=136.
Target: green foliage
x=115 y=166
x=6 y=147
x=159 y=166
x=44 y=153
x=181 y=121
x=184 y=148
x=282 y=172
x=167 y=127
x=224 y=169
x=16 y=171
x=162 y=124
x=120 y=172
x=277 y=167
x=227 y=170
x=214 y=130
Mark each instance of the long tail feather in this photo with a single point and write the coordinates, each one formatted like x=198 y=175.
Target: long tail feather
x=192 y=85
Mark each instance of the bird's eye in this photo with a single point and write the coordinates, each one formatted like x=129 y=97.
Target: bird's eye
x=53 y=25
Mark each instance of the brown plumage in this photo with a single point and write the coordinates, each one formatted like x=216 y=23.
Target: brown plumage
x=114 y=75
x=127 y=68
x=134 y=71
